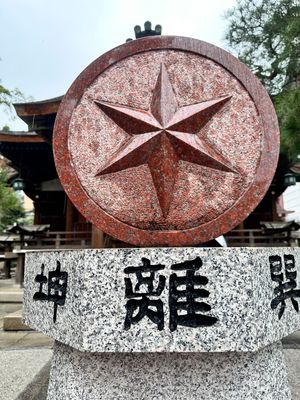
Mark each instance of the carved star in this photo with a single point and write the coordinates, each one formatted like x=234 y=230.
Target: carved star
x=164 y=135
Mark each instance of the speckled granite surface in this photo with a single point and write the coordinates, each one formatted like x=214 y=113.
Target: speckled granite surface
x=240 y=292
x=175 y=376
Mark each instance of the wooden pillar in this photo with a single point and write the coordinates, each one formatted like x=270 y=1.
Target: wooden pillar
x=36 y=219
x=6 y=268
x=69 y=216
x=241 y=227
x=97 y=238
x=7 y=262
x=274 y=208
x=19 y=279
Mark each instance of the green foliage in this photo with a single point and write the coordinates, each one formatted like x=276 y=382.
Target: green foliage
x=8 y=97
x=287 y=105
x=5 y=128
x=11 y=208
x=266 y=36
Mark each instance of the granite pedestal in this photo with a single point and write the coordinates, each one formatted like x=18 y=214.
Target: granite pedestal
x=171 y=323
x=176 y=376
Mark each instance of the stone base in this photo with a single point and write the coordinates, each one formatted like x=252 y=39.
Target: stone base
x=153 y=376
x=238 y=314
x=13 y=322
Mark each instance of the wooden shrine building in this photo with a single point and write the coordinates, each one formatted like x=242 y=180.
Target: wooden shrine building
x=30 y=153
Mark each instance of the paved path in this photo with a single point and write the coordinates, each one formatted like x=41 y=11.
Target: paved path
x=18 y=368
x=292 y=359
x=23 y=340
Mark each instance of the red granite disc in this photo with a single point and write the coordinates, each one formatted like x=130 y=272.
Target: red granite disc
x=166 y=141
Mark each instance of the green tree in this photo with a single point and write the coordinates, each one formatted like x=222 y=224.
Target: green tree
x=11 y=208
x=5 y=128
x=8 y=97
x=265 y=35
x=287 y=105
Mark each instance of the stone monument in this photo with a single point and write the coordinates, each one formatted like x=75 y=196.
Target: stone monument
x=165 y=142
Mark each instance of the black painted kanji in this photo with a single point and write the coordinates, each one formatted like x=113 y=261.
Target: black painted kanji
x=41 y=279
x=140 y=303
x=287 y=283
x=184 y=294
x=57 y=287
x=185 y=310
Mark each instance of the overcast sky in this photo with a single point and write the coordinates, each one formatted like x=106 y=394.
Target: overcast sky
x=47 y=43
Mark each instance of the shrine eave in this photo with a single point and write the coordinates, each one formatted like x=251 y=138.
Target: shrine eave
x=43 y=107
x=39 y=115
x=20 y=137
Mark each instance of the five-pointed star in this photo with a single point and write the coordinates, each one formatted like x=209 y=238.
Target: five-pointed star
x=163 y=136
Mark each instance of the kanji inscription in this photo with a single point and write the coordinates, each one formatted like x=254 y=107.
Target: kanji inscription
x=166 y=141
x=140 y=304
x=185 y=291
x=286 y=279
x=57 y=283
